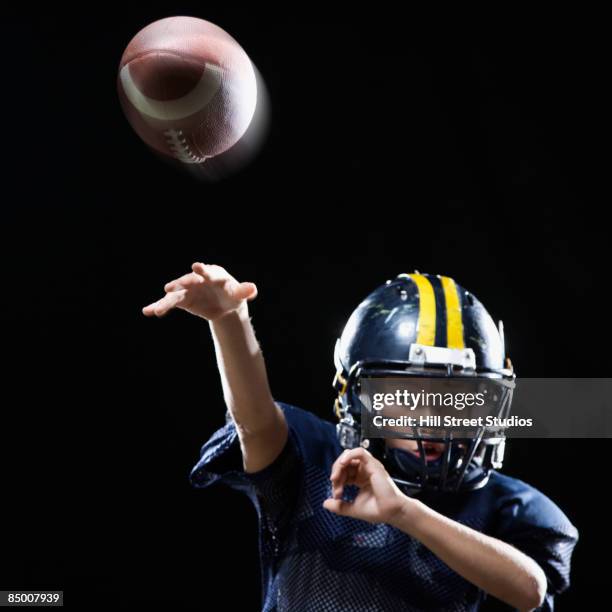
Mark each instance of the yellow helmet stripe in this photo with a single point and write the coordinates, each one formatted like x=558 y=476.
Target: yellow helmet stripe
x=426 y=326
x=454 y=318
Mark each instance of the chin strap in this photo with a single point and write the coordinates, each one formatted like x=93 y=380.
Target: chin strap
x=454 y=473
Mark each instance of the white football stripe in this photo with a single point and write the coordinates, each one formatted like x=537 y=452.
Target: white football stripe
x=169 y=110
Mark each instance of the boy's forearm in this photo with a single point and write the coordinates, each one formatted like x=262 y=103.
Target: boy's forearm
x=243 y=372
x=492 y=565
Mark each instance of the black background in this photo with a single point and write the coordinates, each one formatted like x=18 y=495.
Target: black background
x=396 y=143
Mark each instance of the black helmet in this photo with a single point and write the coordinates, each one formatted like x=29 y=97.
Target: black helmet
x=426 y=326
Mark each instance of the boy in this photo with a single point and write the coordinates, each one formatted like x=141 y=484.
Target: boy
x=414 y=524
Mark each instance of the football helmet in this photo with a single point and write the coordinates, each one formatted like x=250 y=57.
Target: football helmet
x=426 y=326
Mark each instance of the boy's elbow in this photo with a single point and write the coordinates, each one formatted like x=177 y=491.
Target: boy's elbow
x=535 y=591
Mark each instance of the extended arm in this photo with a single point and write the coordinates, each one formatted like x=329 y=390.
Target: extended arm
x=212 y=293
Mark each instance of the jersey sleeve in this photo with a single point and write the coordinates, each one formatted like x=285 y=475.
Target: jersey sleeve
x=532 y=523
x=273 y=490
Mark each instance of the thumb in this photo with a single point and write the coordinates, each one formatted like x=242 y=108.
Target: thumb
x=339 y=506
x=245 y=291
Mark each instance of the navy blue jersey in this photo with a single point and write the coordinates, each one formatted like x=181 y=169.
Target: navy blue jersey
x=315 y=561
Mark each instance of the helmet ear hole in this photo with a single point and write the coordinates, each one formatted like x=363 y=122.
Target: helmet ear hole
x=469 y=298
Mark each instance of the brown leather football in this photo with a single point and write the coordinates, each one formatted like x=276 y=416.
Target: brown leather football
x=187 y=88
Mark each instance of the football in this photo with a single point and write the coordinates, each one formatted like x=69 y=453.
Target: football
x=187 y=87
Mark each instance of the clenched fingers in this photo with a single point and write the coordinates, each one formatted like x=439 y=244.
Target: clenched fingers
x=347 y=468
x=339 y=506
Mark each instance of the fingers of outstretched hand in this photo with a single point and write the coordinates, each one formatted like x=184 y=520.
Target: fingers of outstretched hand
x=244 y=291
x=210 y=272
x=212 y=276
x=216 y=274
x=167 y=303
x=184 y=282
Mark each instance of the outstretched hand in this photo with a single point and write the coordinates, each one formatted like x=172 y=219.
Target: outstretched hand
x=208 y=291
x=378 y=501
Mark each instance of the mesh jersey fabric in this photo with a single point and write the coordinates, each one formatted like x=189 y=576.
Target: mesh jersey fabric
x=315 y=561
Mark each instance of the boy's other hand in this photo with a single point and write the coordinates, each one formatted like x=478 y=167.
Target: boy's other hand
x=379 y=500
